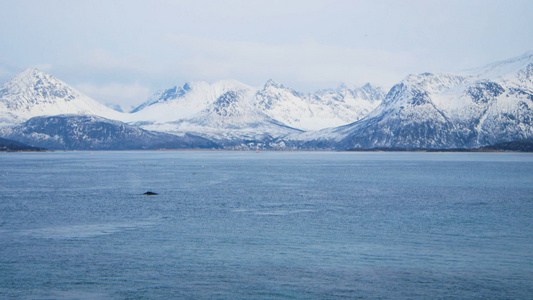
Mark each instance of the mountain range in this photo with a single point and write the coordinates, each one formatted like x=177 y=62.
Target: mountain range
x=468 y=109
x=90 y=132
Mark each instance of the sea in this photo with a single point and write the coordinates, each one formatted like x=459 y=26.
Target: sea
x=267 y=225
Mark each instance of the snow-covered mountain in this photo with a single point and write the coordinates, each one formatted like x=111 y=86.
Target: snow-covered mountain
x=470 y=109
x=305 y=111
x=33 y=93
x=314 y=111
x=178 y=103
x=466 y=109
x=231 y=120
x=227 y=111
x=231 y=112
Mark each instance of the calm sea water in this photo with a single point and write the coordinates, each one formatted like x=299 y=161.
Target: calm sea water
x=269 y=225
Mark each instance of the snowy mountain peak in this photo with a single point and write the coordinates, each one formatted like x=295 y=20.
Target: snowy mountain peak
x=434 y=82
x=272 y=83
x=34 y=93
x=313 y=111
x=32 y=87
x=525 y=75
x=489 y=105
x=29 y=73
x=228 y=104
x=179 y=103
x=369 y=92
x=192 y=91
x=274 y=89
x=501 y=68
x=165 y=95
x=525 y=58
x=369 y=88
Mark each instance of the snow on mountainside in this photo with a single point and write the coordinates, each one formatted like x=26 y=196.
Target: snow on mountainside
x=314 y=111
x=227 y=111
x=230 y=120
x=501 y=68
x=468 y=109
x=163 y=96
x=33 y=93
x=445 y=111
x=328 y=108
x=230 y=112
x=179 y=103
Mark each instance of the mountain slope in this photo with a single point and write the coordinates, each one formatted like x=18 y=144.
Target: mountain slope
x=444 y=111
x=233 y=113
x=314 y=111
x=230 y=120
x=33 y=93
x=469 y=109
x=14 y=146
x=520 y=145
x=328 y=108
x=179 y=103
x=81 y=132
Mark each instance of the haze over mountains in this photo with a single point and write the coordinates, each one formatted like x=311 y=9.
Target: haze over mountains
x=479 y=107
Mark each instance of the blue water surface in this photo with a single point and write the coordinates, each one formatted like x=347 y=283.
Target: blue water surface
x=268 y=225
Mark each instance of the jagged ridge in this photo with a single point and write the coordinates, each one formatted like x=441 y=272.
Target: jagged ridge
x=444 y=111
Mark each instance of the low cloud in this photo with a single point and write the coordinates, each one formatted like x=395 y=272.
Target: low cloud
x=133 y=67
x=303 y=61
x=304 y=65
x=125 y=95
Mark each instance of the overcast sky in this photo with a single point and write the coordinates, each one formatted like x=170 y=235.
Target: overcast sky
x=123 y=51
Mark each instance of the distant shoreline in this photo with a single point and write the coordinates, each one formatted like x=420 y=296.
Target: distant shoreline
x=476 y=150
x=514 y=146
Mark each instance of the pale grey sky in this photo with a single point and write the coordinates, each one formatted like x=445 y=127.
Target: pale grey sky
x=122 y=51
